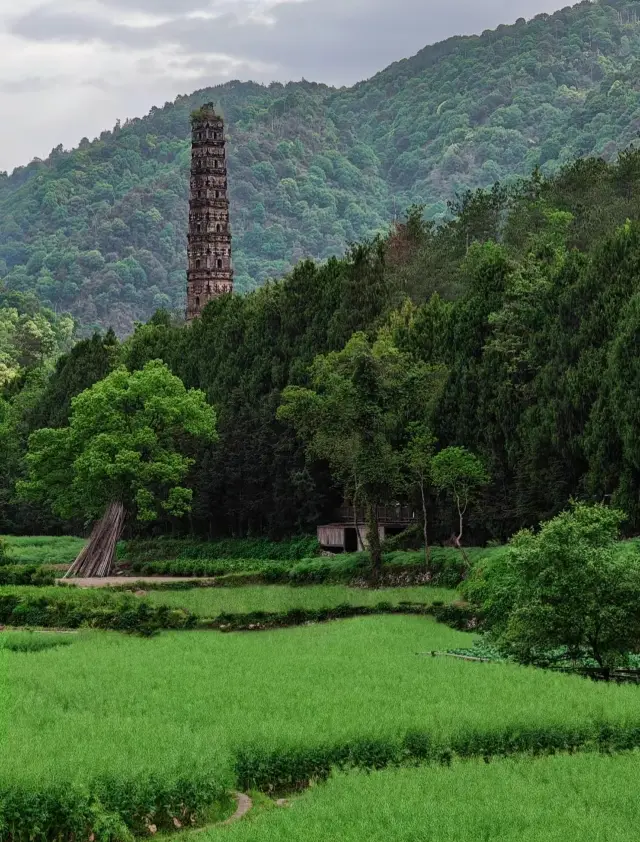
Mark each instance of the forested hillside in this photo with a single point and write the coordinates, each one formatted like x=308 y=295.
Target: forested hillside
x=528 y=301
x=100 y=231
x=30 y=335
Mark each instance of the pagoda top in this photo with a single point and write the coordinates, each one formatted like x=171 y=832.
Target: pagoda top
x=205 y=112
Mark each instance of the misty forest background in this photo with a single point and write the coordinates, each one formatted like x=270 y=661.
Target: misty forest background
x=527 y=291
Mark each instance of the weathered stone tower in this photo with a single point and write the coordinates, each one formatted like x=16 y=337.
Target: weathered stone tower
x=210 y=272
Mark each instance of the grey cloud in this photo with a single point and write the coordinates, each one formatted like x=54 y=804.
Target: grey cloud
x=159 y=7
x=29 y=84
x=334 y=41
x=48 y=25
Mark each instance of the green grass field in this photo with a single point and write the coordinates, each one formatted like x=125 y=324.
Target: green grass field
x=211 y=602
x=190 y=700
x=133 y=727
x=42 y=550
x=559 y=799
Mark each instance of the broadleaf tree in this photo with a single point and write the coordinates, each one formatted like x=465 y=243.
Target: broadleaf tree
x=568 y=591
x=125 y=453
x=356 y=417
x=461 y=474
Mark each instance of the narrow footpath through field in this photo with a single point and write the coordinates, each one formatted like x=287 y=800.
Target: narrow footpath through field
x=110 y=581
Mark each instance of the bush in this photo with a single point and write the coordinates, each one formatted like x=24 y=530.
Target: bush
x=161 y=549
x=109 y=810
x=336 y=569
x=447 y=569
x=411 y=539
x=296 y=767
x=459 y=616
x=572 y=587
x=17 y=574
x=212 y=567
x=70 y=609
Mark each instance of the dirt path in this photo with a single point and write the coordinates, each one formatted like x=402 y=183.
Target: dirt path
x=129 y=580
x=244 y=805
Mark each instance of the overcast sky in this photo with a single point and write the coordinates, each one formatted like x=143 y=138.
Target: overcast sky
x=70 y=68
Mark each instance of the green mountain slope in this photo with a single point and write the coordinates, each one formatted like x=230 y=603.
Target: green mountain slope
x=100 y=231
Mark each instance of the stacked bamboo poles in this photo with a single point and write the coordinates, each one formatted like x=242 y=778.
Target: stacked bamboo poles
x=97 y=558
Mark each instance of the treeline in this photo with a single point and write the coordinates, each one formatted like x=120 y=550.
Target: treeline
x=100 y=230
x=529 y=300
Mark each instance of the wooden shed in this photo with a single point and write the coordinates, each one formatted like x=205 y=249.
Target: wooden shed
x=342 y=536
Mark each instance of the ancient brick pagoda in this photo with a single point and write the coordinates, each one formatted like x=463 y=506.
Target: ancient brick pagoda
x=210 y=272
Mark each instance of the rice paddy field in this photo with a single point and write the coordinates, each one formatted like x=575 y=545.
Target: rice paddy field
x=559 y=799
x=211 y=602
x=366 y=733
x=195 y=699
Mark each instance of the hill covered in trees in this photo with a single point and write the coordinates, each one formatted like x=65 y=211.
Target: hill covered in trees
x=528 y=301
x=100 y=231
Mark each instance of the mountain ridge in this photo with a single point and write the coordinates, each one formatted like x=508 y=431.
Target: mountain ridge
x=100 y=230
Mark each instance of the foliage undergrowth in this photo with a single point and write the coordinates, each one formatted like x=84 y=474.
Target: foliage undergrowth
x=446 y=569
x=21 y=574
x=69 y=608
x=169 y=549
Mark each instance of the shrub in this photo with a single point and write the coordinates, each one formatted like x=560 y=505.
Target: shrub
x=72 y=610
x=296 y=767
x=203 y=568
x=160 y=549
x=17 y=574
x=459 y=616
x=342 y=568
x=447 y=569
x=569 y=587
x=411 y=539
x=108 y=810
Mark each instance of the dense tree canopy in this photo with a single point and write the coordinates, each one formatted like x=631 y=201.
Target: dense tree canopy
x=528 y=301
x=356 y=416
x=127 y=441
x=100 y=231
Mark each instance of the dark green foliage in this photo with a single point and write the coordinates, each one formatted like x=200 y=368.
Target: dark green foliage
x=568 y=592
x=89 y=361
x=72 y=610
x=259 y=549
x=286 y=771
x=537 y=330
x=458 y=615
x=209 y=567
x=111 y=810
x=446 y=569
x=20 y=574
x=100 y=230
